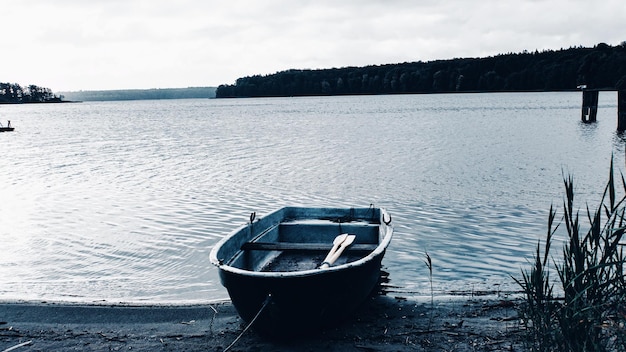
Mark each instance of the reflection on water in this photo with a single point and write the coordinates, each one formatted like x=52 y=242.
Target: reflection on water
x=122 y=201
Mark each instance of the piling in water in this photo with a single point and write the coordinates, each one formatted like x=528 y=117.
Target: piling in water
x=621 y=110
x=590 y=105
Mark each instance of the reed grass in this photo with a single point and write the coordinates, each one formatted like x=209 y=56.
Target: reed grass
x=429 y=264
x=587 y=310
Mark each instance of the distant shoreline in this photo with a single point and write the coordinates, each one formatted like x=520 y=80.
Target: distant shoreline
x=550 y=70
x=121 y=97
x=39 y=102
x=140 y=94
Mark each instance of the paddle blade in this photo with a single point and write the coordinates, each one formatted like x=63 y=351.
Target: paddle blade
x=338 y=241
x=348 y=241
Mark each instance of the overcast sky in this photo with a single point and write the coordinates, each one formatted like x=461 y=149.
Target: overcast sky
x=69 y=45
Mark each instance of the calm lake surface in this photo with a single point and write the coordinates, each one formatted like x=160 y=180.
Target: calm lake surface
x=122 y=201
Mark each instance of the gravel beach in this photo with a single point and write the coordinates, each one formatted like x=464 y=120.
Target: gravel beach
x=383 y=323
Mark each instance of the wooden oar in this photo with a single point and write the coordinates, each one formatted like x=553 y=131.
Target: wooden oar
x=342 y=246
x=345 y=244
x=338 y=240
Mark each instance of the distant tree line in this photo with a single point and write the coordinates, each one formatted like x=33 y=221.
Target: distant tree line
x=13 y=93
x=601 y=67
x=141 y=94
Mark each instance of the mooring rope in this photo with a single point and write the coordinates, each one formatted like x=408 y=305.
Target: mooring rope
x=267 y=301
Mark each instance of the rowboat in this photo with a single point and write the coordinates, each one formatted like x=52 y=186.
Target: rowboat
x=298 y=270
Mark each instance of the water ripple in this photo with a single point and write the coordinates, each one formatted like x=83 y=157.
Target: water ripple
x=122 y=201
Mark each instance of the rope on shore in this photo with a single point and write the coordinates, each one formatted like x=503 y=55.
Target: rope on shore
x=267 y=301
x=212 y=319
x=18 y=346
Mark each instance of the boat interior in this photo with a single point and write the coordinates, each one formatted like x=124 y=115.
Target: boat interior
x=299 y=245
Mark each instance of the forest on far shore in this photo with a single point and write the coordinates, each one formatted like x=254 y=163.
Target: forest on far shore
x=600 y=67
x=13 y=93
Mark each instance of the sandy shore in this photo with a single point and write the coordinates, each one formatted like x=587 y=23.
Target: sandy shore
x=383 y=323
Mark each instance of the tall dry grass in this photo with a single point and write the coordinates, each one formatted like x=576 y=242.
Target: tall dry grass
x=587 y=310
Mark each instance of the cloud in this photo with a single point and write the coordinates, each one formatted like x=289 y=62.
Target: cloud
x=107 y=44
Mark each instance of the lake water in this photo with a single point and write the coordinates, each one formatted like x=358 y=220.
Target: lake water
x=122 y=201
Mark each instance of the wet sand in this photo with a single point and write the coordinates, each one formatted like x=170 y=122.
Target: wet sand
x=383 y=323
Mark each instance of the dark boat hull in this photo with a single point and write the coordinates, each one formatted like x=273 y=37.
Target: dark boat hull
x=6 y=129
x=295 y=297
x=301 y=305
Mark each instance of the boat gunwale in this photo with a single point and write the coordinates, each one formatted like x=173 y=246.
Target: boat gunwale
x=378 y=251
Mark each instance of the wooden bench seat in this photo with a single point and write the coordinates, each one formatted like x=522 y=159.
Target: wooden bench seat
x=290 y=246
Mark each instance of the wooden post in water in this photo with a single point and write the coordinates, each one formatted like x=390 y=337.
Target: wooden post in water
x=590 y=105
x=621 y=110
